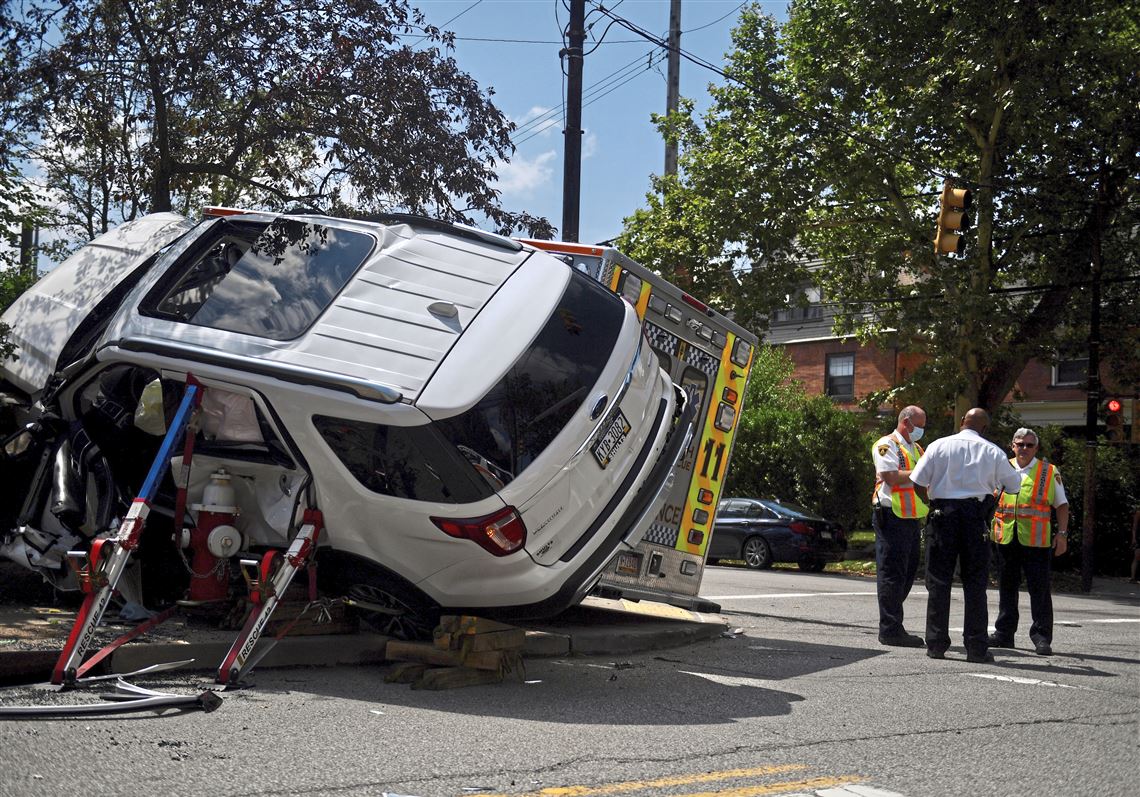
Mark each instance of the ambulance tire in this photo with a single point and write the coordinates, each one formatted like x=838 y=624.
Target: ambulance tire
x=756 y=553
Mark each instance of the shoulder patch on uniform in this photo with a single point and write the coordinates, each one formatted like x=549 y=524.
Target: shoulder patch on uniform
x=1057 y=476
x=883 y=450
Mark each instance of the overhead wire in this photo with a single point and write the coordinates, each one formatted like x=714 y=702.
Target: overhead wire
x=627 y=70
x=457 y=16
x=590 y=98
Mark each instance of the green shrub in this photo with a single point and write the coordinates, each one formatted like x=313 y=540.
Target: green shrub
x=799 y=448
x=1117 y=496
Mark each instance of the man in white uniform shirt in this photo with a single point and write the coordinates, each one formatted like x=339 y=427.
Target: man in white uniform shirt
x=958 y=477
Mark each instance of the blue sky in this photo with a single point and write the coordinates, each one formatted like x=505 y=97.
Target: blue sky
x=621 y=148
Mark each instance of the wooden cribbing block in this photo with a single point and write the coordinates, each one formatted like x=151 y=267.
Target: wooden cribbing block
x=425 y=653
x=455 y=677
x=511 y=639
x=405 y=673
x=457 y=632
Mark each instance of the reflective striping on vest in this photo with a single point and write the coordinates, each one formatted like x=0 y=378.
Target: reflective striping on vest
x=905 y=503
x=1028 y=512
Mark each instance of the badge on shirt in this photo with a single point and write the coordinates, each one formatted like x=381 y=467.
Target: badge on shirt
x=883 y=450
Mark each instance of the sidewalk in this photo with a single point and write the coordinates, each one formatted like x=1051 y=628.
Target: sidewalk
x=31 y=638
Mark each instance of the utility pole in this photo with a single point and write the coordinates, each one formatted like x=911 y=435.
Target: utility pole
x=29 y=246
x=673 y=81
x=572 y=160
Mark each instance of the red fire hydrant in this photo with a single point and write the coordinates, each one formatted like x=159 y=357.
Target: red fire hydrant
x=213 y=540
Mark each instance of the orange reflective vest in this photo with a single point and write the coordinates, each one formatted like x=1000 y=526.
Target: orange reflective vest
x=1029 y=511
x=904 y=502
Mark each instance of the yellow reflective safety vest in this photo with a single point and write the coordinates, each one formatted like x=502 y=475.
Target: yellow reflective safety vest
x=904 y=502
x=1029 y=511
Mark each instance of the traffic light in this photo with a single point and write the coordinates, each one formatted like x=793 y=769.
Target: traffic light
x=952 y=219
x=1114 y=420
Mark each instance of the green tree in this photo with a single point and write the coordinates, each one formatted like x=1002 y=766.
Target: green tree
x=154 y=105
x=823 y=154
x=19 y=206
x=799 y=448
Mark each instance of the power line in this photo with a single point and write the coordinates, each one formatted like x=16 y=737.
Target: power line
x=616 y=74
x=457 y=16
x=594 y=92
x=594 y=96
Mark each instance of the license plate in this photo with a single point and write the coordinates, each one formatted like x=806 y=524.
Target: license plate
x=603 y=450
x=629 y=563
x=825 y=534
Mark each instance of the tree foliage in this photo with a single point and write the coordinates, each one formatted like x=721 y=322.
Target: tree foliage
x=799 y=448
x=823 y=154
x=19 y=205
x=152 y=105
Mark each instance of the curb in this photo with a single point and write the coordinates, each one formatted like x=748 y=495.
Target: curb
x=597 y=627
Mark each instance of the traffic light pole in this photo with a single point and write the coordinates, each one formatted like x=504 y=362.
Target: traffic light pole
x=1090 y=419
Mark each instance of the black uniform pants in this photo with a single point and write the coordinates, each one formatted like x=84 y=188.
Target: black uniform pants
x=956 y=533
x=896 y=562
x=1037 y=564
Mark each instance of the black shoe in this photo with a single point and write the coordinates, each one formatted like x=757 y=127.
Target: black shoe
x=1043 y=649
x=935 y=653
x=999 y=641
x=903 y=640
x=985 y=657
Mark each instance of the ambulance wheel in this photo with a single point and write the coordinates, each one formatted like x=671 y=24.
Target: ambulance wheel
x=756 y=553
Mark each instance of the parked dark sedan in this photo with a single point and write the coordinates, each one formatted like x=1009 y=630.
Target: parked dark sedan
x=763 y=531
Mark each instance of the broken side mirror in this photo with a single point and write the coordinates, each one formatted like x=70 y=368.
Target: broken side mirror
x=24 y=440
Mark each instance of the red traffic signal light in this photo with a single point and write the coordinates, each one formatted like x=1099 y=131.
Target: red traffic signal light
x=1114 y=420
x=952 y=219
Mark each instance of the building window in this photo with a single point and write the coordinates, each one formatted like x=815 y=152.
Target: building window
x=794 y=312
x=841 y=375
x=1071 y=372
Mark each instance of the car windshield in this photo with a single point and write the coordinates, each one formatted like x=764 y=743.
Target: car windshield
x=518 y=417
x=789 y=509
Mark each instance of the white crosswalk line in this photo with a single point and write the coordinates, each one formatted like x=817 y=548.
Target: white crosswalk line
x=784 y=595
x=856 y=790
x=1025 y=681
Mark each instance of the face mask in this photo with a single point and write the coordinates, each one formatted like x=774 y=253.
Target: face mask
x=916 y=434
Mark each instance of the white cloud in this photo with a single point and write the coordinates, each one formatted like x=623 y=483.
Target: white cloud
x=522 y=176
x=589 y=145
x=537 y=121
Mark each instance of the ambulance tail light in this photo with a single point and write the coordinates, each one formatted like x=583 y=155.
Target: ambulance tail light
x=218 y=212
x=500 y=533
x=698 y=304
x=800 y=528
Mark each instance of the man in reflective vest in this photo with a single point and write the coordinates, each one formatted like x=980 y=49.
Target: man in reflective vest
x=897 y=514
x=1023 y=539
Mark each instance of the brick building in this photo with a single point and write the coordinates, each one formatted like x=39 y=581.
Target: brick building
x=839 y=366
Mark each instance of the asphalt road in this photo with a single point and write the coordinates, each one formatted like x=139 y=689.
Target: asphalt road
x=802 y=701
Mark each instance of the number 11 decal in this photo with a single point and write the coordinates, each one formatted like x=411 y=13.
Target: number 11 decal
x=710 y=444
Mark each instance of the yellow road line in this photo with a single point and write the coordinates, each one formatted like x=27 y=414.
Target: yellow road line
x=776 y=788
x=635 y=785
